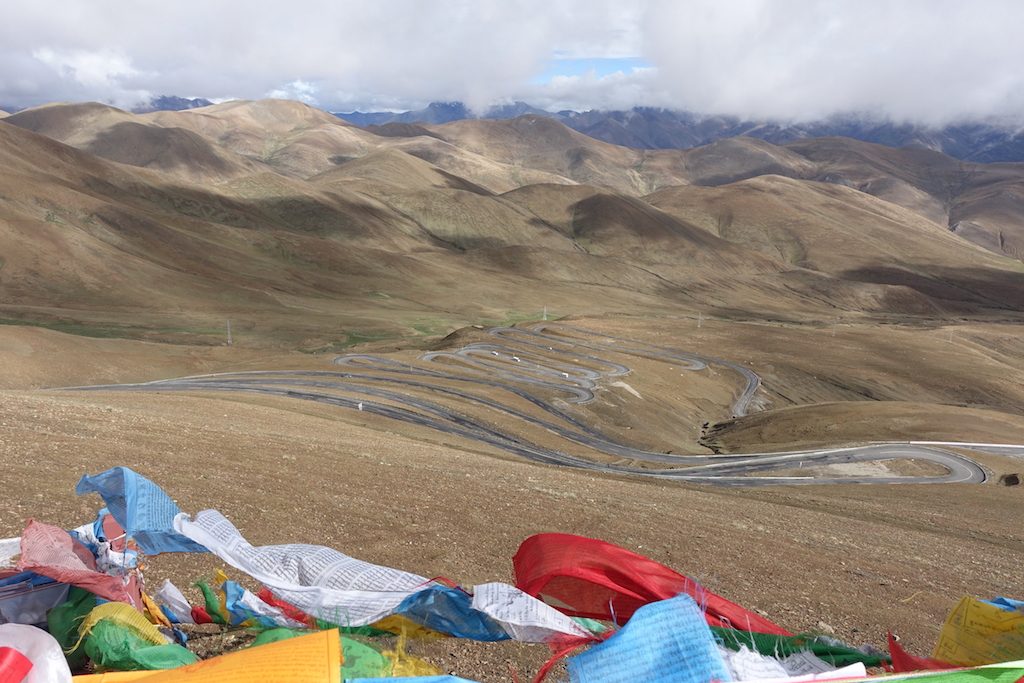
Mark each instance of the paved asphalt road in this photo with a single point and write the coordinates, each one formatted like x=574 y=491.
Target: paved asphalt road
x=539 y=371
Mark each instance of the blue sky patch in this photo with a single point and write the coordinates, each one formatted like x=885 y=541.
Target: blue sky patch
x=601 y=66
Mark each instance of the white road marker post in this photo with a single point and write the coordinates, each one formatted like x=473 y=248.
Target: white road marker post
x=229 y=332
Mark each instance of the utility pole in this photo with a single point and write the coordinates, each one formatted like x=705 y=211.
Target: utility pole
x=229 y=332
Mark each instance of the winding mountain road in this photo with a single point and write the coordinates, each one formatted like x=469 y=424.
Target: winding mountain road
x=539 y=371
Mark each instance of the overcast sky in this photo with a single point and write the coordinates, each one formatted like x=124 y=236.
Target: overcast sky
x=932 y=61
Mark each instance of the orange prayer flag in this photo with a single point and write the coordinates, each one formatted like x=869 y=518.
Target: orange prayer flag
x=315 y=658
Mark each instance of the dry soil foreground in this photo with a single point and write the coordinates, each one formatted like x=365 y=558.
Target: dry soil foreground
x=854 y=559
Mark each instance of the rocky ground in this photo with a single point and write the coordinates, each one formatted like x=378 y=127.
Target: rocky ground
x=853 y=561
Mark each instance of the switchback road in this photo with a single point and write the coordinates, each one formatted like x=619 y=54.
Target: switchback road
x=530 y=376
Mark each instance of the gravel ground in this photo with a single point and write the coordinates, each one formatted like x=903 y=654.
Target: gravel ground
x=855 y=561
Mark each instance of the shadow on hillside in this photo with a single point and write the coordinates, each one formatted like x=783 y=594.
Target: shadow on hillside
x=971 y=288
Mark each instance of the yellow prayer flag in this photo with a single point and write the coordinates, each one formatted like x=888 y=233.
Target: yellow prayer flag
x=977 y=633
x=154 y=613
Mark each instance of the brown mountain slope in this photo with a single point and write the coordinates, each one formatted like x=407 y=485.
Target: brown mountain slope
x=119 y=136
x=732 y=159
x=450 y=208
x=978 y=201
x=302 y=142
x=73 y=124
x=552 y=204
x=468 y=216
x=64 y=245
x=843 y=232
x=108 y=249
x=604 y=223
x=469 y=220
x=981 y=202
x=390 y=170
x=694 y=266
x=172 y=150
x=293 y=138
x=381 y=240
x=585 y=237
x=401 y=130
x=246 y=137
x=542 y=144
x=809 y=426
x=990 y=211
x=81 y=231
x=811 y=225
x=494 y=174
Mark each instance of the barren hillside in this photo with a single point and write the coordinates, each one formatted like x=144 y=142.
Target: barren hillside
x=677 y=309
x=167 y=223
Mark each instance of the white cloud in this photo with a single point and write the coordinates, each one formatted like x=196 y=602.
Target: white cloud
x=94 y=71
x=296 y=90
x=618 y=90
x=925 y=60
x=929 y=60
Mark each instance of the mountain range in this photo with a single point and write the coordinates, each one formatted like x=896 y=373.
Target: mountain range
x=172 y=103
x=309 y=229
x=652 y=128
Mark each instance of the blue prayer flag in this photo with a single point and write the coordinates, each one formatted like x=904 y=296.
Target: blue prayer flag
x=665 y=642
x=142 y=508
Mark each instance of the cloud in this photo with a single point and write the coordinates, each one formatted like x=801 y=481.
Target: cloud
x=296 y=90
x=926 y=60
x=102 y=71
x=591 y=90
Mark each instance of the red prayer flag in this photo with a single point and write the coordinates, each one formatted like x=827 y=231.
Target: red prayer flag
x=586 y=577
x=14 y=666
x=50 y=551
x=200 y=616
x=290 y=610
x=904 y=662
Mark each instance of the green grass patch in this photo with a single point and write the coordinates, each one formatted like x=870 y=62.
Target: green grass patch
x=68 y=327
x=424 y=329
x=513 y=317
x=434 y=327
x=351 y=339
x=112 y=331
x=356 y=338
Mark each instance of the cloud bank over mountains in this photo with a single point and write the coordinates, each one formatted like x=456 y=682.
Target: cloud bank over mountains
x=928 y=61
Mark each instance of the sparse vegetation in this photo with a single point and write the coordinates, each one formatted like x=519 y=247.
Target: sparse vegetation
x=740 y=254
